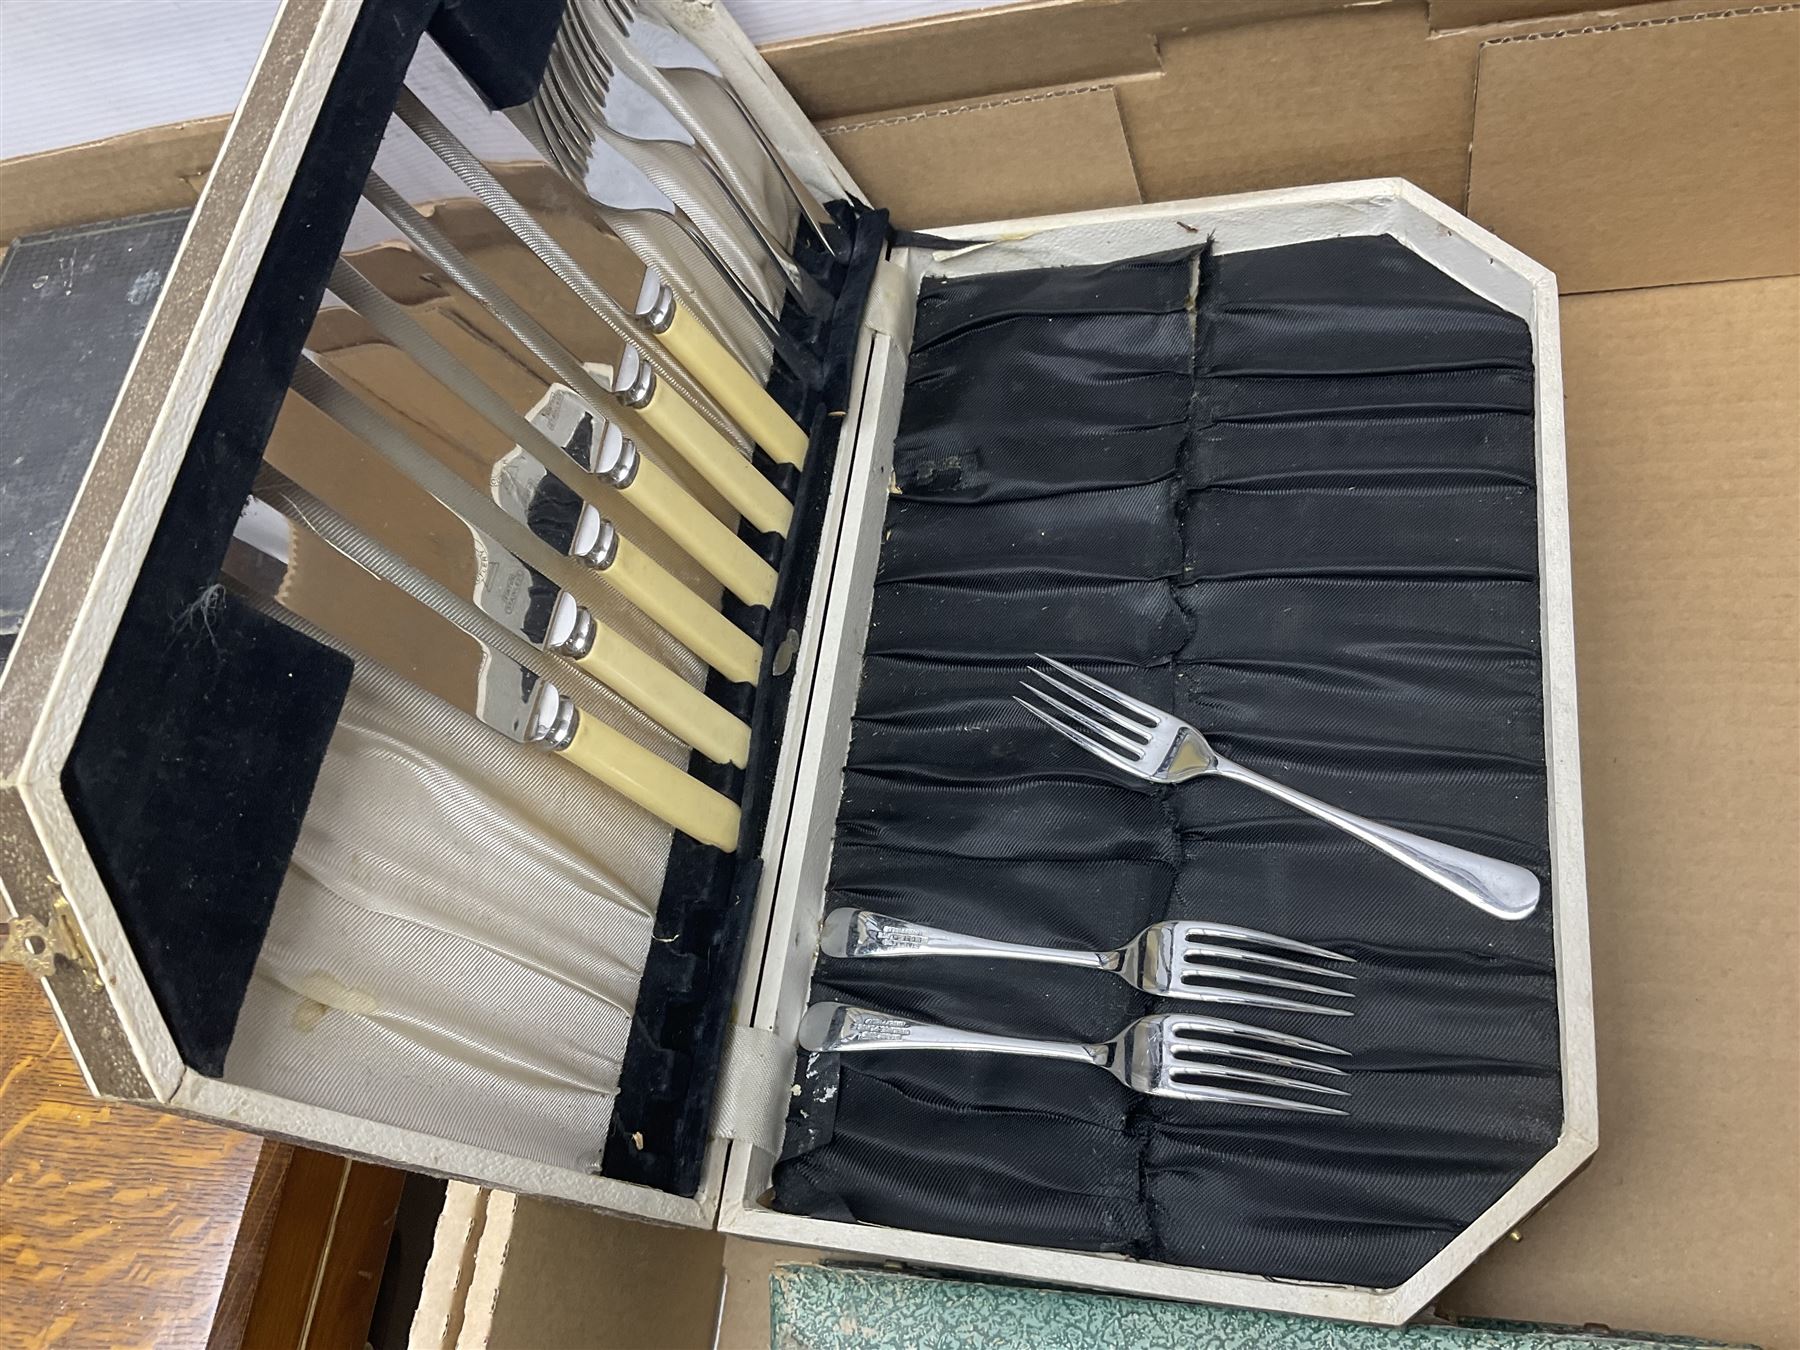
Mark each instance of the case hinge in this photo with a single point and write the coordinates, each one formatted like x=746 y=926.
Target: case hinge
x=755 y=1084
x=890 y=306
x=34 y=945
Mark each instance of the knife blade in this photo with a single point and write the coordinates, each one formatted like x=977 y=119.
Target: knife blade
x=618 y=464
x=628 y=218
x=607 y=561
x=476 y=666
x=594 y=199
x=312 y=460
x=658 y=315
x=692 y=72
x=677 y=57
x=644 y=406
x=618 y=114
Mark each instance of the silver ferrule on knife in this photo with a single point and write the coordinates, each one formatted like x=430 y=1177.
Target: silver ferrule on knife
x=553 y=718
x=433 y=245
x=453 y=650
x=596 y=542
x=634 y=381
x=383 y=609
x=656 y=302
x=615 y=461
x=644 y=584
x=572 y=629
x=616 y=458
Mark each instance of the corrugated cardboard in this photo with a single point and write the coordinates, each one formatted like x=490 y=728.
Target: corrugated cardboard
x=1238 y=95
x=154 y=170
x=542 y=1275
x=1684 y=497
x=1356 y=94
x=996 y=151
x=1452 y=14
x=1645 y=156
x=744 y=1319
x=438 y=1317
x=1036 y=45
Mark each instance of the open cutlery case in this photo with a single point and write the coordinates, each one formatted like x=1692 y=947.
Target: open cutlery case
x=1288 y=464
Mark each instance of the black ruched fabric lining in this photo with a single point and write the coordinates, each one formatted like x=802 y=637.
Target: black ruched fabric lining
x=1288 y=494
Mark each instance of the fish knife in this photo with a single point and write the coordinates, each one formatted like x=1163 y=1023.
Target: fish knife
x=618 y=464
x=658 y=314
x=475 y=666
x=607 y=560
x=643 y=403
x=312 y=460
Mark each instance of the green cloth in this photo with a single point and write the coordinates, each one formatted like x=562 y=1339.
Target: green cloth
x=834 y=1308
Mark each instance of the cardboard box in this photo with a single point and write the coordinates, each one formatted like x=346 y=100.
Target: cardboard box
x=1649 y=155
x=1644 y=154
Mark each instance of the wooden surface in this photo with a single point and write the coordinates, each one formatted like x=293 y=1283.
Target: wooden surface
x=322 y=1266
x=119 y=1227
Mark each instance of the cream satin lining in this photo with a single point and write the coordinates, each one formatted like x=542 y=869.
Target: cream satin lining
x=457 y=946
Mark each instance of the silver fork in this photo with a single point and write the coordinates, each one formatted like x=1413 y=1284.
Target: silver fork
x=571 y=117
x=1153 y=744
x=1179 y=1055
x=1178 y=958
x=656 y=51
x=596 y=86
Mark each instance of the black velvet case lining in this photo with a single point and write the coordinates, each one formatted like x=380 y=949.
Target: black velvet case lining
x=658 y=1131
x=501 y=45
x=1302 y=515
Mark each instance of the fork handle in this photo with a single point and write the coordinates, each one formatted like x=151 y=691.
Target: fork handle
x=862 y=932
x=840 y=1027
x=1502 y=889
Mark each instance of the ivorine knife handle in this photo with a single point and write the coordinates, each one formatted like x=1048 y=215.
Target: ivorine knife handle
x=692 y=622
x=749 y=404
x=702 y=535
x=653 y=783
x=700 y=444
x=659 y=693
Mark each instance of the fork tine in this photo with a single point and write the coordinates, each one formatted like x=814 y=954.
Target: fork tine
x=1249 y=998
x=1257 y=977
x=1082 y=739
x=1200 y=1069
x=1207 y=928
x=1155 y=715
x=1181 y=1023
x=1085 y=741
x=1180 y=1048
x=1264 y=959
x=1121 y=721
x=1202 y=1092
x=1114 y=732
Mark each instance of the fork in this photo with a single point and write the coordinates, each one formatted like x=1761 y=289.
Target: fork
x=1174 y=959
x=1167 y=1055
x=598 y=86
x=1153 y=744
x=620 y=163
x=653 y=52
